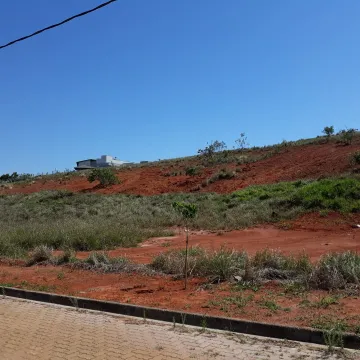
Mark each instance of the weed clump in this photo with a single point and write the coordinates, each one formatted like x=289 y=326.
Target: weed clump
x=336 y=271
x=298 y=274
x=40 y=254
x=99 y=261
x=68 y=256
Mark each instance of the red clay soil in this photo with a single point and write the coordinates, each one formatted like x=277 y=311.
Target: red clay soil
x=294 y=162
x=313 y=234
x=164 y=292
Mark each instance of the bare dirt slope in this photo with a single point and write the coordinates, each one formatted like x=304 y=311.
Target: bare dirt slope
x=291 y=163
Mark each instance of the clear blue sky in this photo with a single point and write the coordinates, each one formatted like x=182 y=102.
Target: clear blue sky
x=150 y=79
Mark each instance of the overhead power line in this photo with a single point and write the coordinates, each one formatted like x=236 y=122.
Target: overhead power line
x=58 y=24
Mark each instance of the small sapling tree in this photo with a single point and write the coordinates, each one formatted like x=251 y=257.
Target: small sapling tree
x=328 y=131
x=187 y=211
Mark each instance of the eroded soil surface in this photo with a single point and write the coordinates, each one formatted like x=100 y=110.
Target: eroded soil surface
x=272 y=303
x=292 y=163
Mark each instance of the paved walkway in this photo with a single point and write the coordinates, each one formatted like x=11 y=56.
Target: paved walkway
x=31 y=330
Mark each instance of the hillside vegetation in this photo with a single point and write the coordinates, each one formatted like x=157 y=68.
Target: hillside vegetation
x=214 y=170
x=63 y=219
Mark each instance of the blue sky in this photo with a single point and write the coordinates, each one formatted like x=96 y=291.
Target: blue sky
x=148 y=80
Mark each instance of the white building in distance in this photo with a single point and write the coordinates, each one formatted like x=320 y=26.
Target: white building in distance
x=103 y=161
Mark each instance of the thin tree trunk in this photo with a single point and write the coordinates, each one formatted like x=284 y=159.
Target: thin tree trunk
x=186 y=256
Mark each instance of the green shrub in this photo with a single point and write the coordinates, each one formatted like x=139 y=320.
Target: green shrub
x=355 y=158
x=346 y=136
x=186 y=210
x=106 y=176
x=328 y=131
x=192 y=171
x=223 y=174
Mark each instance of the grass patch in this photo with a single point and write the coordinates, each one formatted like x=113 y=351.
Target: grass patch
x=270 y=305
x=218 y=266
x=333 y=330
x=7 y=285
x=35 y=287
x=240 y=301
x=92 y=222
x=100 y=262
x=341 y=194
x=296 y=273
x=326 y=301
x=294 y=288
x=224 y=174
x=335 y=271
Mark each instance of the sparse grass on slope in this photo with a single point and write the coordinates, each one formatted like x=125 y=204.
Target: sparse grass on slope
x=62 y=219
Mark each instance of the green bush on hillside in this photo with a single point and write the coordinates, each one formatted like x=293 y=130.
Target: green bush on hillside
x=328 y=131
x=223 y=174
x=346 y=136
x=355 y=158
x=15 y=177
x=106 y=176
x=192 y=171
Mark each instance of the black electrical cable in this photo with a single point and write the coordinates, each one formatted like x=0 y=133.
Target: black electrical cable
x=58 y=24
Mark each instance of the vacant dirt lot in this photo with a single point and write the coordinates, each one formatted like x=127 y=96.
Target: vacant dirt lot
x=274 y=303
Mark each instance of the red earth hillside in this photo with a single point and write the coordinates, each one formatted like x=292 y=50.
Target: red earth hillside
x=291 y=163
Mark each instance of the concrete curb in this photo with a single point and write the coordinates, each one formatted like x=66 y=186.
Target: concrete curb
x=211 y=322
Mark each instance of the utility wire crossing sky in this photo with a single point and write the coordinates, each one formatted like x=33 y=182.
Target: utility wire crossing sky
x=58 y=24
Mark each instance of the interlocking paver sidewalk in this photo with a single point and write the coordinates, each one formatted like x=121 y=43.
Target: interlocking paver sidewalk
x=31 y=330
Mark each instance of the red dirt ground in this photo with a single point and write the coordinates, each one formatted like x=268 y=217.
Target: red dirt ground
x=313 y=234
x=164 y=292
x=294 y=162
